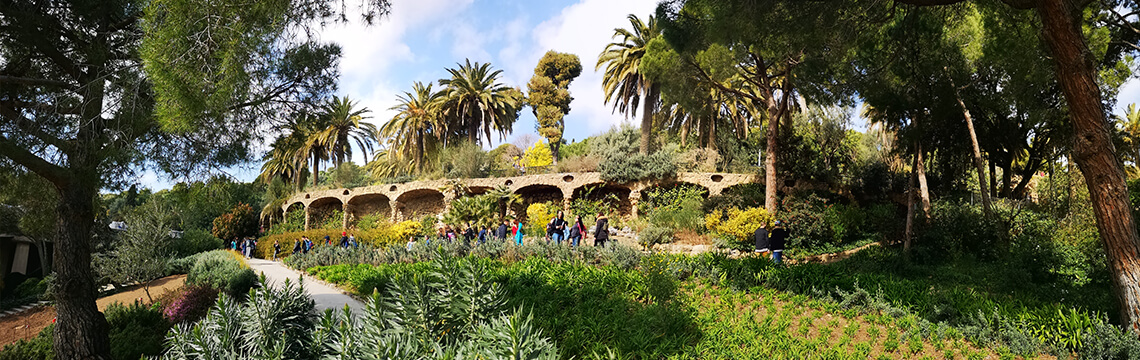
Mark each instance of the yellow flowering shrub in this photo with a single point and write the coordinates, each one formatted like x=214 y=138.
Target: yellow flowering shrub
x=736 y=224
x=537 y=215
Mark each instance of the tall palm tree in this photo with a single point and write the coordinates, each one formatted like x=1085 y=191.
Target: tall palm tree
x=343 y=127
x=623 y=82
x=475 y=100
x=416 y=120
x=1129 y=128
x=288 y=156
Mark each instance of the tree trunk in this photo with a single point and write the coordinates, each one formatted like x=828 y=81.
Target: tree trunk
x=316 y=169
x=1094 y=152
x=555 y=147
x=910 y=207
x=419 y=151
x=992 y=189
x=923 y=190
x=712 y=132
x=770 y=164
x=652 y=92
x=987 y=206
x=81 y=330
x=1007 y=175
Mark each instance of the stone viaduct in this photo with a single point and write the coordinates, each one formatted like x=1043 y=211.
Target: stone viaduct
x=430 y=197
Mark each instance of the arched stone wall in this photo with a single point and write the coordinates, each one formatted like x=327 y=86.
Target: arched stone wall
x=536 y=193
x=609 y=192
x=320 y=209
x=367 y=204
x=419 y=202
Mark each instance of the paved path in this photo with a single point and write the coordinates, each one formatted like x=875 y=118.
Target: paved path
x=327 y=297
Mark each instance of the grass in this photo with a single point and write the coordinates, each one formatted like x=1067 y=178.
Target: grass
x=639 y=314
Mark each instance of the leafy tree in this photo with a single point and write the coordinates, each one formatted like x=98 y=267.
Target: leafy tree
x=94 y=89
x=238 y=223
x=537 y=156
x=140 y=253
x=623 y=82
x=549 y=95
x=476 y=102
x=28 y=202
x=344 y=126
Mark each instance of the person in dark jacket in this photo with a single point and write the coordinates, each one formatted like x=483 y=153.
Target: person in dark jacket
x=761 y=238
x=601 y=230
x=577 y=231
x=776 y=241
x=483 y=235
x=296 y=246
x=501 y=232
x=344 y=239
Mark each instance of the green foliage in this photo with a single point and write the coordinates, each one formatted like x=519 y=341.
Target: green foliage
x=239 y=222
x=654 y=235
x=658 y=165
x=194 y=241
x=294 y=221
x=136 y=330
x=140 y=253
x=345 y=175
x=463 y=160
x=478 y=210
x=549 y=94
x=451 y=307
x=36 y=348
x=576 y=148
x=677 y=208
x=224 y=270
x=331 y=220
x=589 y=206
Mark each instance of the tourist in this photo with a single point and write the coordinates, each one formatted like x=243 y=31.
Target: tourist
x=577 y=231
x=296 y=246
x=469 y=234
x=483 y=235
x=501 y=232
x=450 y=233
x=343 y=239
x=276 y=249
x=777 y=240
x=760 y=237
x=556 y=229
x=352 y=241
x=328 y=241
x=602 y=230
x=518 y=232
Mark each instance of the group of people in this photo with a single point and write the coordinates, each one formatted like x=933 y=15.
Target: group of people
x=771 y=242
x=244 y=246
x=304 y=244
x=557 y=230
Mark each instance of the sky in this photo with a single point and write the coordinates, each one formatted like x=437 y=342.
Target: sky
x=421 y=38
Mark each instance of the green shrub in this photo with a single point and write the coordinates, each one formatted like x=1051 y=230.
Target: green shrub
x=136 y=330
x=623 y=169
x=654 y=235
x=194 y=241
x=238 y=222
x=224 y=270
x=738 y=226
x=36 y=348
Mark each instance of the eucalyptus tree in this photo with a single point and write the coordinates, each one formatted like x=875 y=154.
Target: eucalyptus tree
x=417 y=124
x=91 y=91
x=549 y=95
x=623 y=81
x=477 y=103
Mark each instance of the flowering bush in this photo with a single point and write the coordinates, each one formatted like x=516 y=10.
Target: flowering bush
x=239 y=222
x=537 y=215
x=737 y=225
x=188 y=303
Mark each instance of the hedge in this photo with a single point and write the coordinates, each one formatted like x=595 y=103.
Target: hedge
x=382 y=236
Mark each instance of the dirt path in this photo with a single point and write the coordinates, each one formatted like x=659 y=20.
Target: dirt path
x=28 y=324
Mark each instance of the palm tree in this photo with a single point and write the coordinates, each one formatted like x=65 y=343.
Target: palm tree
x=343 y=126
x=475 y=100
x=623 y=82
x=416 y=120
x=288 y=156
x=1129 y=128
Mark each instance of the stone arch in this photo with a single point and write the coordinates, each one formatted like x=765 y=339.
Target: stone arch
x=420 y=202
x=536 y=193
x=368 y=204
x=321 y=209
x=478 y=190
x=604 y=191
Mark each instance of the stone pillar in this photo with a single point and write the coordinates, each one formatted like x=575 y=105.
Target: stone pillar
x=308 y=215
x=448 y=197
x=634 y=198
x=396 y=206
x=347 y=212
x=566 y=203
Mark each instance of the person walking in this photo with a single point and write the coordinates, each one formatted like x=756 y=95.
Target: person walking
x=518 y=232
x=501 y=232
x=483 y=235
x=777 y=240
x=328 y=240
x=760 y=237
x=344 y=239
x=601 y=230
x=576 y=231
x=296 y=246
x=352 y=241
x=556 y=229
x=276 y=249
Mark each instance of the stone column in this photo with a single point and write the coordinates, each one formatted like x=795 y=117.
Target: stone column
x=308 y=215
x=347 y=212
x=396 y=206
x=566 y=203
x=634 y=198
x=448 y=197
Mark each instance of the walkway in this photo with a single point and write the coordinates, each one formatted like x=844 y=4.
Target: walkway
x=326 y=297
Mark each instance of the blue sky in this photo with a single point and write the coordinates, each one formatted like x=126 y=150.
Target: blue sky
x=423 y=37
